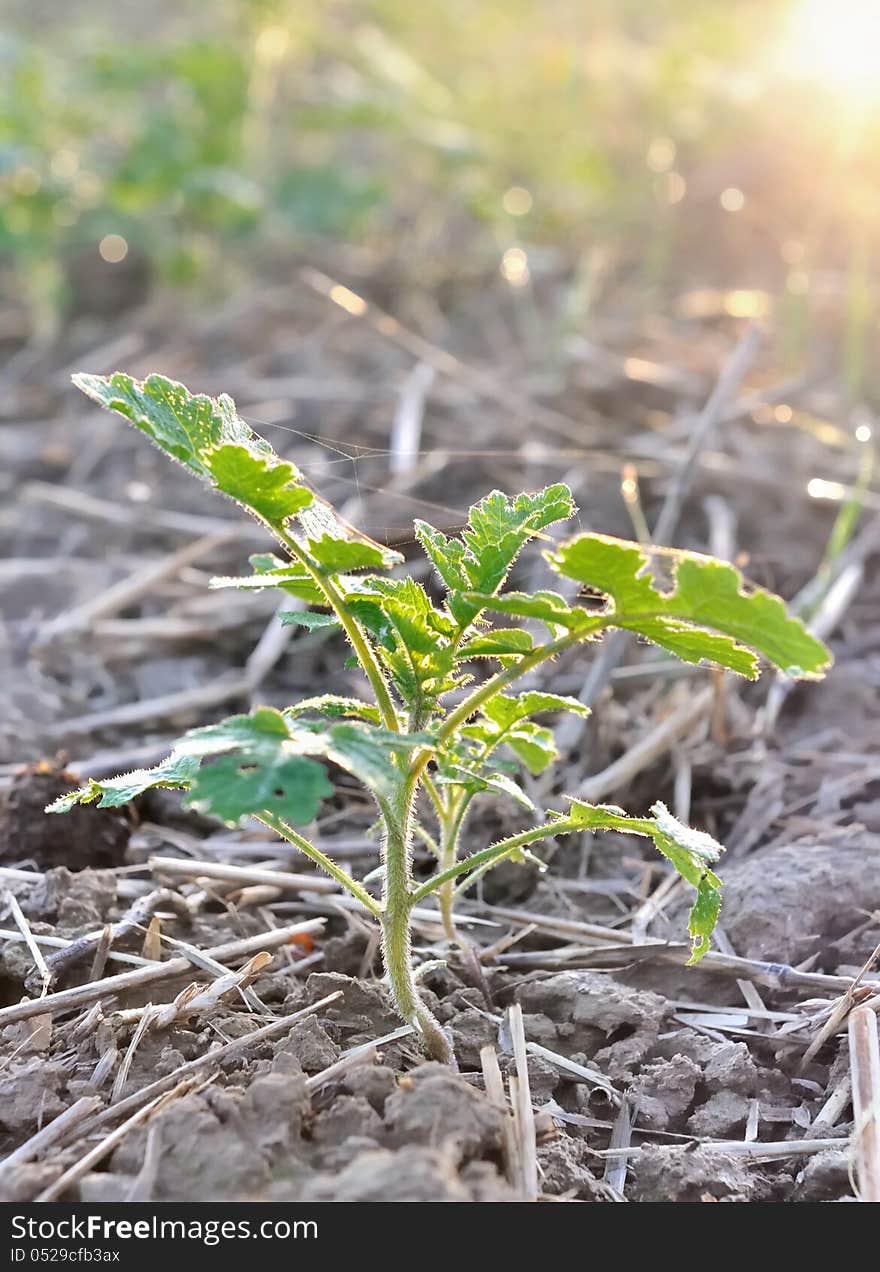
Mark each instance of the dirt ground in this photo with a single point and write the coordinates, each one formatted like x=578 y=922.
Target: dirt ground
x=649 y=1081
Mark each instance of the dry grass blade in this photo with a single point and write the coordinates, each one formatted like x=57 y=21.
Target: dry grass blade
x=264 y=1034
x=141 y=911
x=112 y=986
x=128 y=590
x=521 y=1102
x=864 y=1060
x=61 y=1125
x=243 y=875
x=656 y=743
x=107 y=1145
x=198 y=999
x=494 y=1084
x=776 y=1151
x=406 y=432
x=479 y=382
x=23 y=926
x=131 y=1051
x=841 y=1009
x=614 y=1174
x=366 y=1053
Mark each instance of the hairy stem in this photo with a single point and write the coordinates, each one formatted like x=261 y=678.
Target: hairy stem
x=489 y=688
x=450 y=831
x=493 y=854
x=395 y=921
x=357 y=890
x=446 y=895
x=361 y=646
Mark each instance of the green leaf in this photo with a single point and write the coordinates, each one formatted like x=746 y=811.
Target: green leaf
x=691 y=852
x=547 y=607
x=496 y=644
x=365 y=751
x=695 y=645
x=337 y=555
x=723 y=621
x=177 y=770
x=704 y=916
x=476 y=782
x=308 y=618
x=611 y=566
x=414 y=638
x=271 y=571
x=267 y=738
x=213 y=442
x=709 y=594
x=262 y=732
x=497 y=529
x=334 y=707
x=185 y=425
x=291 y=786
x=262 y=486
x=209 y=437
x=505 y=709
x=534 y=745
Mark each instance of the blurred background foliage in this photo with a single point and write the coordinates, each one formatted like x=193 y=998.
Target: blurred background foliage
x=681 y=144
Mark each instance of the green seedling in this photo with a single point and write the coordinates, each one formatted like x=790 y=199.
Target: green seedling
x=441 y=725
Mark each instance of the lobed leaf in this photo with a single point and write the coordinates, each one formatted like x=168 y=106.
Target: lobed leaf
x=476 y=782
x=209 y=437
x=335 y=556
x=291 y=786
x=691 y=852
x=177 y=770
x=547 y=607
x=260 y=484
x=334 y=707
x=308 y=618
x=705 y=615
x=505 y=709
x=266 y=738
x=414 y=638
x=498 y=528
x=498 y=643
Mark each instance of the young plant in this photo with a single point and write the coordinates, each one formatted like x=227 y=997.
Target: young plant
x=441 y=717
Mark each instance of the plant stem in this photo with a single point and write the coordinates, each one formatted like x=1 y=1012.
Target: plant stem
x=321 y=859
x=489 y=688
x=494 y=853
x=450 y=830
x=359 y=642
x=395 y=922
x=446 y=894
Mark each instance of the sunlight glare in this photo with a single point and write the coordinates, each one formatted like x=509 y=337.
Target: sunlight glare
x=836 y=43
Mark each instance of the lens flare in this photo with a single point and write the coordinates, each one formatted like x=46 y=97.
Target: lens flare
x=836 y=43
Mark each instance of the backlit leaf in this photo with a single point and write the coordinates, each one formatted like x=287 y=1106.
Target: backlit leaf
x=334 y=707
x=308 y=618
x=707 y=596
x=213 y=442
x=548 y=607
x=337 y=555
x=495 y=644
x=498 y=528
x=477 y=782
x=691 y=852
x=177 y=771
x=260 y=485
